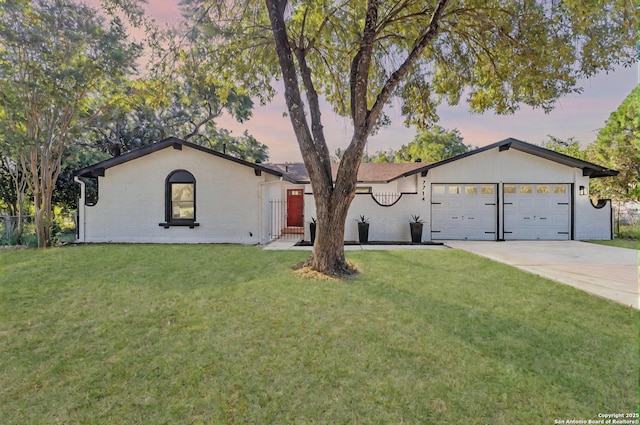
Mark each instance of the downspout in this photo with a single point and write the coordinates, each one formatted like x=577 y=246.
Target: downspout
x=261 y=203
x=81 y=210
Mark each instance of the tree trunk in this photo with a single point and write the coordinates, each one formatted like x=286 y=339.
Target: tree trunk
x=42 y=173
x=332 y=207
x=328 y=250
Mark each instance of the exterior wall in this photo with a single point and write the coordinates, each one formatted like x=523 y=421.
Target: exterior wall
x=591 y=222
x=131 y=202
x=489 y=167
x=408 y=184
x=510 y=166
x=386 y=223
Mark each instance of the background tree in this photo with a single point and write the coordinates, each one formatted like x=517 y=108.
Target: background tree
x=13 y=194
x=359 y=55
x=432 y=145
x=188 y=118
x=60 y=67
x=67 y=192
x=570 y=147
x=617 y=147
x=388 y=155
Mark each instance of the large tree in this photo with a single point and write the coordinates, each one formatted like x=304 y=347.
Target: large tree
x=60 y=67
x=360 y=55
x=618 y=147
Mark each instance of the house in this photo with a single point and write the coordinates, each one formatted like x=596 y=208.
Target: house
x=178 y=192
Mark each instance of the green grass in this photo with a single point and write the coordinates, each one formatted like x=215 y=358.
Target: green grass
x=626 y=237
x=620 y=243
x=226 y=334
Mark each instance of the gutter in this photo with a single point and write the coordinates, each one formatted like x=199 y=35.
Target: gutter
x=81 y=210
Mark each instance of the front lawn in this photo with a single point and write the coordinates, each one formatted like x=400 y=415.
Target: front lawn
x=227 y=334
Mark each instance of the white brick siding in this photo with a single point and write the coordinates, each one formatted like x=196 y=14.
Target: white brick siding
x=230 y=207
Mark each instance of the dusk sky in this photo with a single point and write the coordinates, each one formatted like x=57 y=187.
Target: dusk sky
x=579 y=116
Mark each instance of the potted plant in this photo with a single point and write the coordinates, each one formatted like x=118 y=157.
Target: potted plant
x=416 y=228
x=363 y=229
x=312 y=229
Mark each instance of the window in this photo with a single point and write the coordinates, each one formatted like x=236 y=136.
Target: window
x=363 y=189
x=455 y=190
x=526 y=189
x=559 y=189
x=438 y=189
x=542 y=189
x=470 y=190
x=509 y=188
x=180 y=199
x=486 y=190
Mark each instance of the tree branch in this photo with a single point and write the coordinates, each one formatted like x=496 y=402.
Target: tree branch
x=395 y=78
x=312 y=157
x=359 y=78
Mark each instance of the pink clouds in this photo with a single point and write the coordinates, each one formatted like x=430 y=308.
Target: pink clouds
x=578 y=116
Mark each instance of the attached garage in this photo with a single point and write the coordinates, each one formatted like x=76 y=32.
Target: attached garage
x=537 y=211
x=464 y=211
x=513 y=190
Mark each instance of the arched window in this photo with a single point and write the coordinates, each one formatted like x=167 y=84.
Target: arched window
x=180 y=199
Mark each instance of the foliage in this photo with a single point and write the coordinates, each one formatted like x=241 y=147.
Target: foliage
x=432 y=145
x=179 y=99
x=60 y=67
x=13 y=187
x=362 y=219
x=360 y=56
x=570 y=147
x=153 y=334
x=429 y=145
x=416 y=219
x=75 y=157
x=381 y=156
x=122 y=132
x=617 y=147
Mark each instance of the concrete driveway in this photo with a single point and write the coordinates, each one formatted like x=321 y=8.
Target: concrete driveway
x=605 y=271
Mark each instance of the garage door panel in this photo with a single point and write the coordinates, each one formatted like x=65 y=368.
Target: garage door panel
x=536 y=211
x=463 y=211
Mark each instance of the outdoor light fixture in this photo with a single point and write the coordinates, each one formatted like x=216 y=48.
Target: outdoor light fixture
x=583 y=191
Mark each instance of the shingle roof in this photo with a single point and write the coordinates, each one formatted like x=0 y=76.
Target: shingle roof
x=367 y=172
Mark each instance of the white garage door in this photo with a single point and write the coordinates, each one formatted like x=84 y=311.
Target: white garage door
x=463 y=211
x=537 y=211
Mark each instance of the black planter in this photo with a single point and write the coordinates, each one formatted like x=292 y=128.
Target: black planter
x=416 y=232
x=312 y=232
x=363 y=232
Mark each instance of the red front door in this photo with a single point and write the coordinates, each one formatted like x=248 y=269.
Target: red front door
x=295 y=204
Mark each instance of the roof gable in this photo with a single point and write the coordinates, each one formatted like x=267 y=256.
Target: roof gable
x=588 y=168
x=98 y=169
